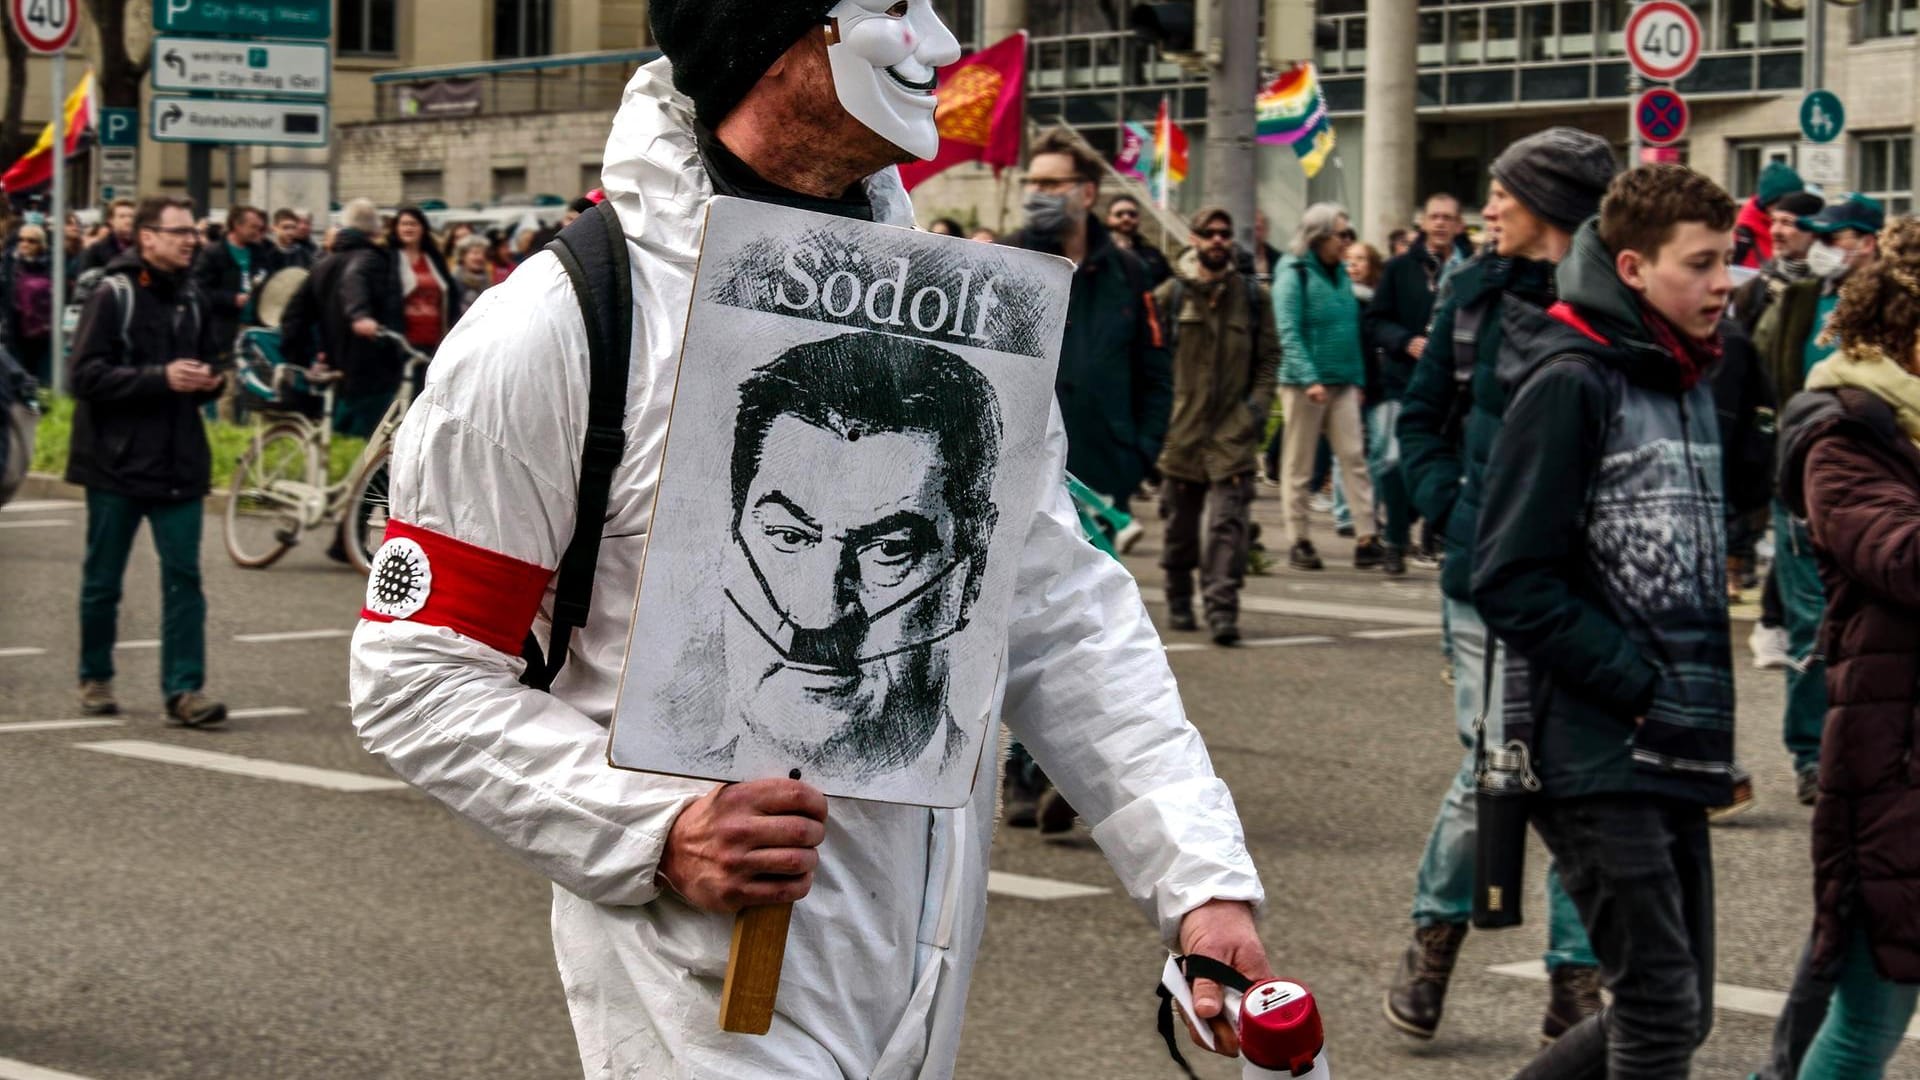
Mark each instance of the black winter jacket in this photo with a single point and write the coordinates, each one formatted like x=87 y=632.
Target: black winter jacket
x=355 y=280
x=1401 y=308
x=132 y=434
x=221 y=281
x=1602 y=548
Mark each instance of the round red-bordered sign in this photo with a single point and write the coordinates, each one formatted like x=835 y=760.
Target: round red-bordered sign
x=1661 y=117
x=1663 y=40
x=47 y=26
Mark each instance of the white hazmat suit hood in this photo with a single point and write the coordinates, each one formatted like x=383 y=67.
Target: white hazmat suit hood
x=880 y=953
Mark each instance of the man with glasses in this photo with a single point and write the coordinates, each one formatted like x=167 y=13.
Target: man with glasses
x=1123 y=223
x=1395 y=327
x=1226 y=355
x=1115 y=384
x=140 y=375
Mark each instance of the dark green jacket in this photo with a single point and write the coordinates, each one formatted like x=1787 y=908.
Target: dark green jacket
x=1400 y=311
x=1447 y=424
x=1115 y=383
x=1781 y=336
x=1602 y=554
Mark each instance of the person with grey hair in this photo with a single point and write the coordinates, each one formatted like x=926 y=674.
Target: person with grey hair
x=1322 y=379
x=351 y=299
x=472 y=269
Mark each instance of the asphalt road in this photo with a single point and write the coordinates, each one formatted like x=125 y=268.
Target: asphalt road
x=161 y=920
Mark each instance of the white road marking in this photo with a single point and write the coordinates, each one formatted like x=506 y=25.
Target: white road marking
x=290 y=635
x=59 y=523
x=258 y=714
x=1037 y=888
x=32 y=506
x=20 y=1070
x=258 y=768
x=1323 y=609
x=22 y=650
x=140 y=643
x=1389 y=635
x=1740 y=999
x=1254 y=643
x=53 y=725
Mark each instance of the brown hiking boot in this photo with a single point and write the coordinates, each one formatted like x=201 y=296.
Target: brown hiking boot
x=96 y=698
x=194 y=709
x=1575 y=996
x=1418 y=992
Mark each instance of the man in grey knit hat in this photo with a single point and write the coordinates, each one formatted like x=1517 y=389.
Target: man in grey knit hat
x=1543 y=187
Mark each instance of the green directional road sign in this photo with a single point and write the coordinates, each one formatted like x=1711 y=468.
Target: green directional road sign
x=257 y=18
x=1822 y=117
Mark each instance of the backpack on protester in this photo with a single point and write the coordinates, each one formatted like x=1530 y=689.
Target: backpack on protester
x=19 y=416
x=593 y=252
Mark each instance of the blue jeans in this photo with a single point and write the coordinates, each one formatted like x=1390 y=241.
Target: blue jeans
x=1803 y=601
x=1443 y=892
x=1395 y=507
x=1865 y=1024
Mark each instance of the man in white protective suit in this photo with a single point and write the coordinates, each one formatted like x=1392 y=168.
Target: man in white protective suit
x=810 y=104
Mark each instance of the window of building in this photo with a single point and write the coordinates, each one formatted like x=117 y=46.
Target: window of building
x=366 y=27
x=1538 y=41
x=1576 y=29
x=1889 y=18
x=961 y=17
x=419 y=185
x=1748 y=159
x=1886 y=170
x=522 y=28
x=1433 y=39
x=1463 y=37
x=509 y=180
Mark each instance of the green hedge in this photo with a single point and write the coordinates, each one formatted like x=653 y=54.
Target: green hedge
x=227 y=441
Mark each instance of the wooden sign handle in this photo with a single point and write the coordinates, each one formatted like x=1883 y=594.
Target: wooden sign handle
x=753 y=968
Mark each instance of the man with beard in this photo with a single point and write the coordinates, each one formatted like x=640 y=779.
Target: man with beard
x=1226 y=355
x=1123 y=223
x=806 y=104
x=844 y=583
x=1115 y=383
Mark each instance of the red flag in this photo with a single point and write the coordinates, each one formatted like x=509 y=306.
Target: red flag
x=982 y=107
x=35 y=167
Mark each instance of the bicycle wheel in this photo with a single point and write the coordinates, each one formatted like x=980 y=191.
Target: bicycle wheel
x=365 y=526
x=265 y=508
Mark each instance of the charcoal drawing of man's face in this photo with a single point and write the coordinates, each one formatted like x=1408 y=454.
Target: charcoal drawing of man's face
x=863 y=467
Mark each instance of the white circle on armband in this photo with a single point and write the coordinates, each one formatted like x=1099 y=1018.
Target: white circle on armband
x=400 y=581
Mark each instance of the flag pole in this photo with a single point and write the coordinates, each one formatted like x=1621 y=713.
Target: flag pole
x=57 y=228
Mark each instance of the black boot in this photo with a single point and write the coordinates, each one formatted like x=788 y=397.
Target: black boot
x=1418 y=992
x=1574 y=997
x=1303 y=557
x=1394 y=561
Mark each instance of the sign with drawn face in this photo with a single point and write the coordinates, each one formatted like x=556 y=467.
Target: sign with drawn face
x=855 y=451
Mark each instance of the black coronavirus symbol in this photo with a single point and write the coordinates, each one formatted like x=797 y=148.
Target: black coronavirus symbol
x=400 y=580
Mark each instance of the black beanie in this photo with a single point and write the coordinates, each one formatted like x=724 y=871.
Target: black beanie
x=720 y=48
x=1559 y=174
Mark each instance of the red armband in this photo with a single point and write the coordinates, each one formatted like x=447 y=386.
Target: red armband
x=424 y=577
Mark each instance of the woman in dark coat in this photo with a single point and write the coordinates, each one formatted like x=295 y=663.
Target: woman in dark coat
x=1852 y=467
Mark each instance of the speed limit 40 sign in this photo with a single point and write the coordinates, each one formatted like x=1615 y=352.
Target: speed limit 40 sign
x=47 y=26
x=1663 y=40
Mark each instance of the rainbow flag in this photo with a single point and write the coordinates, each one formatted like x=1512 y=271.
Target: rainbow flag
x=1292 y=111
x=1169 y=155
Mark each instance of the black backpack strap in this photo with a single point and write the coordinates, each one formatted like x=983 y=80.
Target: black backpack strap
x=593 y=251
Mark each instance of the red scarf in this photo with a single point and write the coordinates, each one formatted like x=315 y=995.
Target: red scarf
x=1693 y=356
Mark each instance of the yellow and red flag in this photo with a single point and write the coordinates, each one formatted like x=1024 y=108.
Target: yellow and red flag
x=982 y=106
x=35 y=168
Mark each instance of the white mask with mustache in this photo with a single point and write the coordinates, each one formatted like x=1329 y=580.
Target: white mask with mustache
x=883 y=58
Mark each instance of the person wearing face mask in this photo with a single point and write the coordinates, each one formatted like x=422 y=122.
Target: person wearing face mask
x=1791 y=243
x=1791 y=339
x=805 y=104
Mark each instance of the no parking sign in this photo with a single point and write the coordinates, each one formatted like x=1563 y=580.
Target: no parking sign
x=1660 y=116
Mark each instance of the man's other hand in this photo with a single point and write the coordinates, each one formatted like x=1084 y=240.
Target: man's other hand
x=1223 y=930
x=191 y=377
x=746 y=844
x=1417 y=347
x=366 y=326
x=1317 y=393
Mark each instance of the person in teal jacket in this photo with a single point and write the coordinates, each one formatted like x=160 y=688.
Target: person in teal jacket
x=1323 y=374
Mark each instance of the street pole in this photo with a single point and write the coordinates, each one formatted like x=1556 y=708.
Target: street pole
x=1633 y=102
x=1233 y=79
x=57 y=228
x=1817 y=44
x=199 y=176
